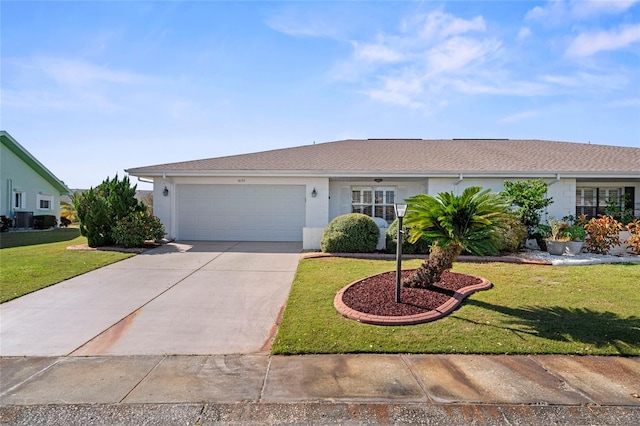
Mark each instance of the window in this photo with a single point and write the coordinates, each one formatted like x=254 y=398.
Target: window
x=18 y=200
x=44 y=202
x=592 y=201
x=374 y=202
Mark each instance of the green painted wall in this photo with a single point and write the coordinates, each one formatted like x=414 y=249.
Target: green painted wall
x=17 y=175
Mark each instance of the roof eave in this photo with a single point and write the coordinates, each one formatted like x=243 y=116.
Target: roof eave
x=33 y=162
x=158 y=173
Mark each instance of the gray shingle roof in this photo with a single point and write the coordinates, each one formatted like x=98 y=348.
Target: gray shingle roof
x=420 y=156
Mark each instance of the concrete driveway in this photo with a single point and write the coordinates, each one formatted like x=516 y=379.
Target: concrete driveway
x=187 y=298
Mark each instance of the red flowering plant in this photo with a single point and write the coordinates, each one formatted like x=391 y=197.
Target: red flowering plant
x=604 y=233
x=634 y=239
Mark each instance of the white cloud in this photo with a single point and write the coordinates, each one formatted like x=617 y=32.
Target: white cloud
x=457 y=53
x=404 y=68
x=292 y=23
x=376 y=53
x=438 y=24
x=585 y=9
x=65 y=83
x=559 y=11
x=80 y=73
x=518 y=117
x=587 y=44
x=552 y=12
x=524 y=33
x=606 y=80
x=438 y=56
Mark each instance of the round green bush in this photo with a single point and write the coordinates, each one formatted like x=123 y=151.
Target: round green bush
x=350 y=233
x=422 y=246
x=136 y=228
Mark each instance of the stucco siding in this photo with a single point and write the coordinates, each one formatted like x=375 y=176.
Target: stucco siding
x=17 y=176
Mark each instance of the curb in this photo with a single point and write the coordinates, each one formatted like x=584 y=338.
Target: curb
x=317 y=413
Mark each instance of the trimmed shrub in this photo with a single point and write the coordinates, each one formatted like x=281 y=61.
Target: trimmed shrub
x=350 y=233
x=135 y=229
x=44 y=221
x=101 y=208
x=513 y=236
x=422 y=246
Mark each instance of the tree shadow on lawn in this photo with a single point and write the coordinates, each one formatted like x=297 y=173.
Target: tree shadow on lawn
x=563 y=324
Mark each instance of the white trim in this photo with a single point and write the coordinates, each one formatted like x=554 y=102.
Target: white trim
x=41 y=198
x=361 y=205
x=22 y=202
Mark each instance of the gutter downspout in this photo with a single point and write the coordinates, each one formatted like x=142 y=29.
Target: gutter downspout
x=9 y=209
x=455 y=185
x=546 y=209
x=556 y=180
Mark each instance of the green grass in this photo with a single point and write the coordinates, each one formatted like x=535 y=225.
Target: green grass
x=530 y=310
x=39 y=259
x=29 y=238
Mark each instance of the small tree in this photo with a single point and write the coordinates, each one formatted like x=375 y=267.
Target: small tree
x=455 y=223
x=101 y=208
x=621 y=209
x=530 y=198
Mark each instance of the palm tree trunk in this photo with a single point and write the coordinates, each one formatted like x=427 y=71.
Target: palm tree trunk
x=439 y=260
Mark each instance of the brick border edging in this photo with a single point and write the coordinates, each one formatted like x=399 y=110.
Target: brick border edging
x=462 y=258
x=439 y=312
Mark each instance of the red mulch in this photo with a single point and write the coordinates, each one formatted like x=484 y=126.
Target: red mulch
x=376 y=295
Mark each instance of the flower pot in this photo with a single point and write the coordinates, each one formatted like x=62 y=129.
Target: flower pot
x=555 y=248
x=573 y=247
x=542 y=244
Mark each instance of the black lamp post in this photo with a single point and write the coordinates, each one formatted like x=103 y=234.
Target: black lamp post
x=401 y=210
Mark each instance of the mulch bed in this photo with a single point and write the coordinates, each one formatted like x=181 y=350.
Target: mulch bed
x=376 y=295
x=372 y=299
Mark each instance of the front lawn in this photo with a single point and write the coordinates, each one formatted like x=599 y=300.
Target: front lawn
x=531 y=310
x=29 y=238
x=27 y=268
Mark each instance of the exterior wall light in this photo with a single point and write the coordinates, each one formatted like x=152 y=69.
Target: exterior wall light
x=401 y=210
x=165 y=191
x=314 y=193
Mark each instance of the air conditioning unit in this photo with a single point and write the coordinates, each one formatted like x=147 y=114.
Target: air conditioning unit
x=23 y=220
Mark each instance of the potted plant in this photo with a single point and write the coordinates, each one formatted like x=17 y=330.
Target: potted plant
x=577 y=234
x=557 y=240
x=540 y=233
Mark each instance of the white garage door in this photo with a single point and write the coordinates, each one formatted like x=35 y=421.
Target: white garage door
x=240 y=212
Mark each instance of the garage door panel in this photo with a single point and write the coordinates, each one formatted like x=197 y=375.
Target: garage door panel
x=242 y=213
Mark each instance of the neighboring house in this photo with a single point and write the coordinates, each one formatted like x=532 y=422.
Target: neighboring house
x=27 y=187
x=293 y=193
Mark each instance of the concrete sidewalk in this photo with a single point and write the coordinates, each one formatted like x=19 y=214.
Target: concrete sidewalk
x=320 y=389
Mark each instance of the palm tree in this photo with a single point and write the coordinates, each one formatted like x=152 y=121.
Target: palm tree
x=68 y=210
x=455 y=223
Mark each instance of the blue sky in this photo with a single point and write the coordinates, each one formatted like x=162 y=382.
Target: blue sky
x=93 y=88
